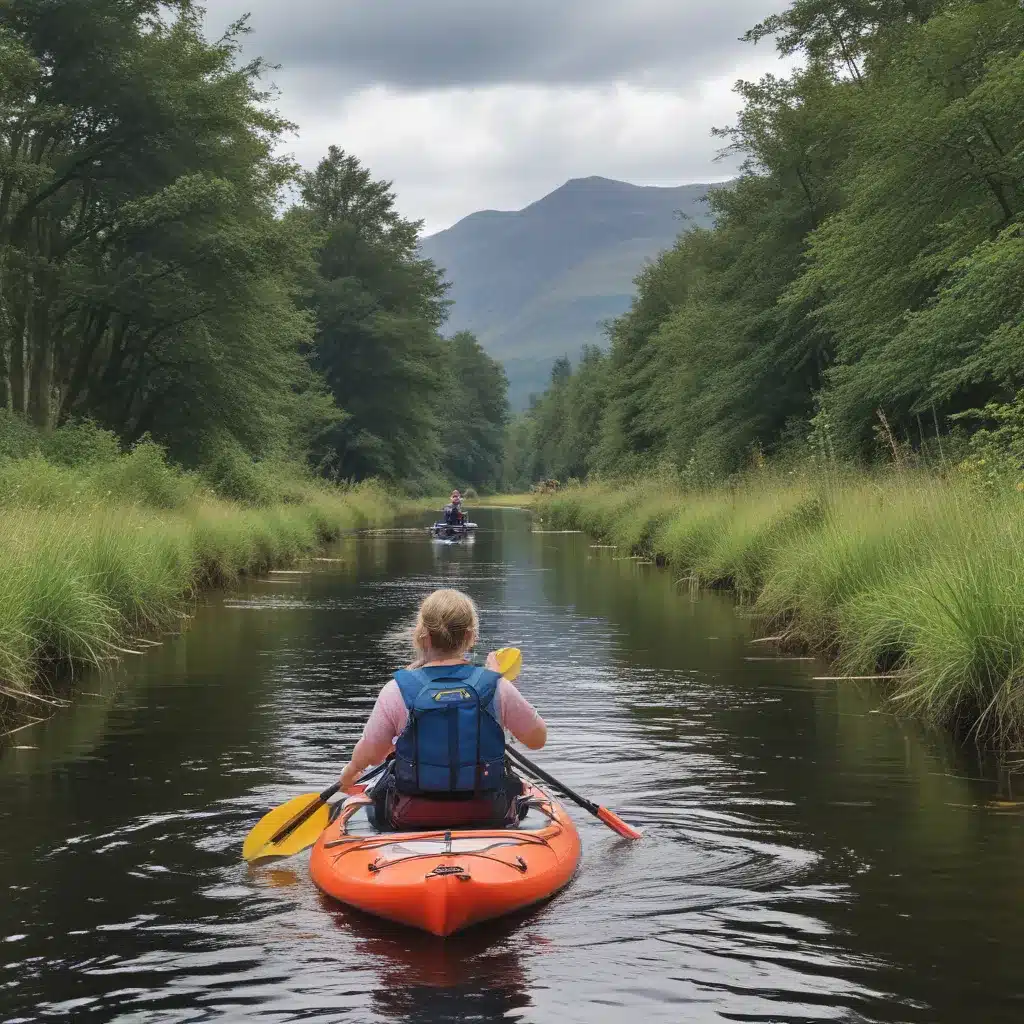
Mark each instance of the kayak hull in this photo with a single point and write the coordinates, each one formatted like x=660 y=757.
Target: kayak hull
x=444 y=882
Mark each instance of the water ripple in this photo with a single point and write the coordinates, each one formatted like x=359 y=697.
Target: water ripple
x=762 y=890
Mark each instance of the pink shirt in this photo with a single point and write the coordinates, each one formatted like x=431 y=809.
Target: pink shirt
x=389 y=717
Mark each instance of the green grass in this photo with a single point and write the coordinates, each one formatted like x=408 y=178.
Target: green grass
x=93 y=556
x=524 y=500
x=902 y=575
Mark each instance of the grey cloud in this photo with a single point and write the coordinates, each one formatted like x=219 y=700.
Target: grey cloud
x=427 y=44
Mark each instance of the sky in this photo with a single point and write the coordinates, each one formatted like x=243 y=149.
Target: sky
x=490 y=104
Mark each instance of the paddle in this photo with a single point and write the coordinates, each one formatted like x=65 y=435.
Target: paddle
x=610 y=818
x=510 y=661
x=291 y=827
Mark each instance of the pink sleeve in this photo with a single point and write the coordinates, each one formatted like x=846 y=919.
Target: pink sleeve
x=385 y=724
x=515 y=712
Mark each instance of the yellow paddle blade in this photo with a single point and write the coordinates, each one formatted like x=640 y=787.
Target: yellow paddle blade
x=510 y=661
x=257 y=845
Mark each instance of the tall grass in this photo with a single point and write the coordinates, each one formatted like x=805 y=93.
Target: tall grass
x=92 y=555
x=903 y=576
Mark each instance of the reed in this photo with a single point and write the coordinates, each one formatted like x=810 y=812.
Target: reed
x=901 y=575
x=92 y=556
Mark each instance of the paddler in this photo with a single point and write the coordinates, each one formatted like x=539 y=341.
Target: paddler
x=453 y=514
x=445 y=720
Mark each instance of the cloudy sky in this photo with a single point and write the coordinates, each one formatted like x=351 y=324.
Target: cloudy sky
x=490 y=104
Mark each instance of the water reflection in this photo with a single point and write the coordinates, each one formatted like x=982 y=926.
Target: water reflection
x=478 y=975
x=808 y=857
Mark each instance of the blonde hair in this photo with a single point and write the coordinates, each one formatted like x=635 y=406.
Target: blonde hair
x=447 y=623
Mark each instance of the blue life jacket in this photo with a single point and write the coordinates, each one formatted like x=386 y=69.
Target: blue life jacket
x=452 y=742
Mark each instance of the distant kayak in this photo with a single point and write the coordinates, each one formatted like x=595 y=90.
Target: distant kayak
x=443 y=882
x=448 y=530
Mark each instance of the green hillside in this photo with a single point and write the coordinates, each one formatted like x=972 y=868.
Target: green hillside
x=537 y=283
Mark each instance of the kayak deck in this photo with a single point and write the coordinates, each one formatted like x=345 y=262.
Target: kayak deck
x=445 y=881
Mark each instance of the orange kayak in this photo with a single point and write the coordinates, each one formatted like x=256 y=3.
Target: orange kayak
x=444 y=882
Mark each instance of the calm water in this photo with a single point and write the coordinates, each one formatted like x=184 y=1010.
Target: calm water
x=807 y=857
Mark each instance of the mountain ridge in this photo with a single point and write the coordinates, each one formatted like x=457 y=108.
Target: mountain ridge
x=537 y=283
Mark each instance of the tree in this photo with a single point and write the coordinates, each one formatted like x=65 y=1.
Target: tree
x=867 y=257
x=144 y=280
x=475 y=414
x=936 y=178
x=378 y=309
x=707 y=363
x=518 y=453
x=838 y=35
x=558 y=436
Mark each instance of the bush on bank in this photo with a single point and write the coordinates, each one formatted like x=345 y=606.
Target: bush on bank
x=98 y=544
x=898 y=575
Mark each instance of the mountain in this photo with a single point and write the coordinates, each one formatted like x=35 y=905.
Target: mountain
x=535 y=284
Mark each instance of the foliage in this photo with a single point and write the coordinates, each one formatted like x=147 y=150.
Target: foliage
x=378 y=308
x=867 y=264
x=474 y=415
x=997 y=451
x=149 y=283
x=18 y=440
x=559 y=436
x=145 y=281
x=414 y=404
x=80 y=443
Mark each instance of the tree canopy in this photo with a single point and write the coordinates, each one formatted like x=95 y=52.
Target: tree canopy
x=150 y=282
x=868 y=258
x=164 y=272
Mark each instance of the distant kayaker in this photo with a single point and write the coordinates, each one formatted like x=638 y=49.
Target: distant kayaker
x=453 y=514
x=444 y=719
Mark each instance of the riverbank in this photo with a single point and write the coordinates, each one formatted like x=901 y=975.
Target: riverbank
x=524 y=500
x=437 y=504
x=915 y=582
x=96 y=557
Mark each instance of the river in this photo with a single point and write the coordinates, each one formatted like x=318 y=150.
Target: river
x=807 y=857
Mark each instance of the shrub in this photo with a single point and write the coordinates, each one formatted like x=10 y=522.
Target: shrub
x=996 y=453
x=17 y=439
x=36 y=483
x=237 y=476
x=81 y=443
x=144 y=476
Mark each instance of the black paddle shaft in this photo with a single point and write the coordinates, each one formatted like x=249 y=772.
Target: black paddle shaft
x=307 y=812
x=526 y=763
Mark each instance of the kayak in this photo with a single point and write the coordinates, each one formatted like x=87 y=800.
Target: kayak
x=444 y=882
x=451 y=530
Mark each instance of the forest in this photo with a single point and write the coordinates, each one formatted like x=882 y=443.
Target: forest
x=860 y=298
x=212 y=361
x=167 y=276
